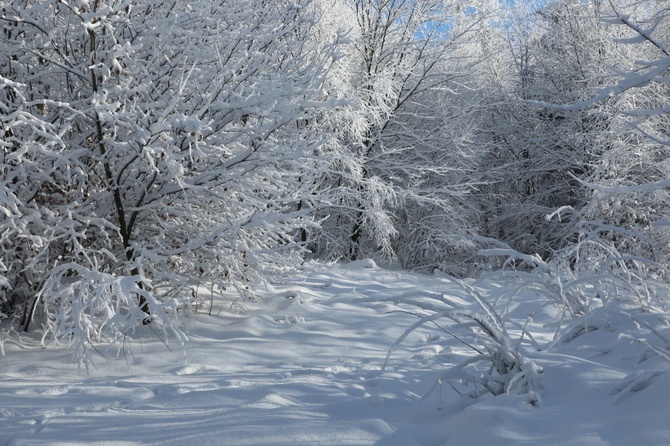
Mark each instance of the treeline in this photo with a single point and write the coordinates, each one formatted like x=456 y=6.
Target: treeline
x=154 y=146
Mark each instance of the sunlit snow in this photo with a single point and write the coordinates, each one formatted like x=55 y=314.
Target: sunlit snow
x=304 y=366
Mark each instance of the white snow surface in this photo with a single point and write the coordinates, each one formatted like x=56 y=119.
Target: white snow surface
x=304 y=366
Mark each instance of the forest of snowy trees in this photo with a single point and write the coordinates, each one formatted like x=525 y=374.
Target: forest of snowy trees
x=152 y=147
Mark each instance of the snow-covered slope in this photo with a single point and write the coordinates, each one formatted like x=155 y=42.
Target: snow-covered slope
x=304 y=366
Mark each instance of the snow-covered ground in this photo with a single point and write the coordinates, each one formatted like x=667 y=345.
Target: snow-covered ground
x=304 y=366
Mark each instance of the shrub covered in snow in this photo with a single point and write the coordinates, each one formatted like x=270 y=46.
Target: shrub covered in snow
x=497 y=364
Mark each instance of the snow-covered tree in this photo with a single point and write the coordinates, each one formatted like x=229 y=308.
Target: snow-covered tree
x=396 y=186
x=147 y=146
x=557 y=52
x=604 y=227
x=625 y=217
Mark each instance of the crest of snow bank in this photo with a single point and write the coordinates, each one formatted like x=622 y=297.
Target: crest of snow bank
x=363 y=263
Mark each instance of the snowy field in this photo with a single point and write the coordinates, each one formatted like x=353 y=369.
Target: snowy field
x=305 y=366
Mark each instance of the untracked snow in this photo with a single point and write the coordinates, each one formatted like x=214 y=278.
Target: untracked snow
x=304 y=366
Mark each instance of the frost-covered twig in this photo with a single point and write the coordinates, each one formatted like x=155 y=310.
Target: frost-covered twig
x=663 y=354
